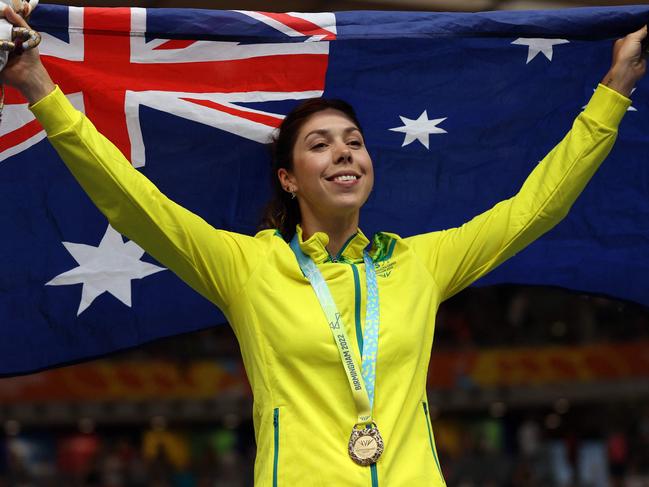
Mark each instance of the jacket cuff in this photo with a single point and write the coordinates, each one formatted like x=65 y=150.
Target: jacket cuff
x=55 y=112
x=607 y=106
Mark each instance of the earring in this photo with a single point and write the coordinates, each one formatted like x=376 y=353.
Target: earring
x=292 y=194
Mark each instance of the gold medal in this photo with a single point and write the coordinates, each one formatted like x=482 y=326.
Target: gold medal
x=365 y=445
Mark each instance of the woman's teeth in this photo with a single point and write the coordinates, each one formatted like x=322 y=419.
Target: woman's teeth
x=346 y=178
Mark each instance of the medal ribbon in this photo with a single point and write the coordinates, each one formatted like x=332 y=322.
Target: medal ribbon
x=362 y=386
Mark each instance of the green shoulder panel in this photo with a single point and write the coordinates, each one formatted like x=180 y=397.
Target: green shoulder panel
x=383 y=244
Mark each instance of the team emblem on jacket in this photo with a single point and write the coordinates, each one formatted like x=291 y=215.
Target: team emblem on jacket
x=385 y=268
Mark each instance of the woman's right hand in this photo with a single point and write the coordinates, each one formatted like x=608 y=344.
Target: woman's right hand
x=629 y=63
x=25 y=71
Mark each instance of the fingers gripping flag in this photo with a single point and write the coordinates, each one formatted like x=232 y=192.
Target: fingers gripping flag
x=457 y=109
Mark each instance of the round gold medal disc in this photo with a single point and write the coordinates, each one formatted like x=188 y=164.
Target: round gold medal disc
x=365 y=445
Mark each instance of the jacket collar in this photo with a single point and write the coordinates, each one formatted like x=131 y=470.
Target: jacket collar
x=316 y=247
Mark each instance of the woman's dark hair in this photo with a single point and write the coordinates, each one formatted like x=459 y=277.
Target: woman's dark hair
x=282 y=212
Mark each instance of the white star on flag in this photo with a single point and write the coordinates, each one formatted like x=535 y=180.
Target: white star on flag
x=535 y=46
x=419 y=129
x=110 y=267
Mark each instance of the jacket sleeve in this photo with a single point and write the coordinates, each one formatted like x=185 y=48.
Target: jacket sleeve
x=458 y=256
x=215 y=263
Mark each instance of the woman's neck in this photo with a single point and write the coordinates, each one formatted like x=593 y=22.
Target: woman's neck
x=337 y=229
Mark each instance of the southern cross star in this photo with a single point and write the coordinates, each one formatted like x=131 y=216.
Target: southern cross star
x=536 y=46
x=110 y=267
x=419 y=129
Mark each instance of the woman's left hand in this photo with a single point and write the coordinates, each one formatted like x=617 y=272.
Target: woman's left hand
x=629 y=63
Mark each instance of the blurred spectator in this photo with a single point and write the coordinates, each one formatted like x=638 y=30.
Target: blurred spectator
x=618 y=457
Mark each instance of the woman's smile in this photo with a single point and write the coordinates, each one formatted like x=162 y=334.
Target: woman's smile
x=345 y=179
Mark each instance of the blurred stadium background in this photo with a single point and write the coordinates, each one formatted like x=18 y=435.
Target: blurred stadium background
x=527 y=386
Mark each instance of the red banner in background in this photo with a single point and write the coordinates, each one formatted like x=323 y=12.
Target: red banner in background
x=539 y=365
x=141 y=380
x=107 y=380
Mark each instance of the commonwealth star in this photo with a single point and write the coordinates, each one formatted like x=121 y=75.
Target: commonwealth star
x=110 y=267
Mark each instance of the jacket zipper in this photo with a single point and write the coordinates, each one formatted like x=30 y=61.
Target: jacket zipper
x=430 y=437
x=276 y=452
x=359 y=339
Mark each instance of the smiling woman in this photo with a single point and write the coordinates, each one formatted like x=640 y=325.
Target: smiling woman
x=319 y=156
x=332 y=175
x=336 y=353
x=322 y=173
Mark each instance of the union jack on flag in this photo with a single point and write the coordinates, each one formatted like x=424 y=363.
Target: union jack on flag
x=456 y=110
x=109 y=68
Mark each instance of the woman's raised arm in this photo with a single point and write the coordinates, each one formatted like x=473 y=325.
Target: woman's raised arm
x=215 y=263
x=459 y=256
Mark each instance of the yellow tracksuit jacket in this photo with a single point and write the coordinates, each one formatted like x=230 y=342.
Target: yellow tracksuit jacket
x=303 y=408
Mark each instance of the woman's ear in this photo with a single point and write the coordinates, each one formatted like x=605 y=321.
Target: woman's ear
x=286 y=180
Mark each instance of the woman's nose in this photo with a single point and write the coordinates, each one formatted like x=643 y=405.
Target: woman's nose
x=344 y=155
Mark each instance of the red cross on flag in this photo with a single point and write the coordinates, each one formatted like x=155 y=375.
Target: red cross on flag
x=109 y=69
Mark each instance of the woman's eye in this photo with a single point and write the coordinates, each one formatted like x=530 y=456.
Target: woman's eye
x=355 y=143
x=321 y=145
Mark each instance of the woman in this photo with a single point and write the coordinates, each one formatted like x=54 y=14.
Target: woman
x=304 y=311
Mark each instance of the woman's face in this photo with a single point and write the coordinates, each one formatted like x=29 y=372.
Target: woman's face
x=332 y=170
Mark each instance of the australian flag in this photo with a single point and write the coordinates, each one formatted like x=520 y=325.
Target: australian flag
x=457 y=109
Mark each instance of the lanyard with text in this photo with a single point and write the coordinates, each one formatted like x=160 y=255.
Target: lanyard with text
x=365 y=444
